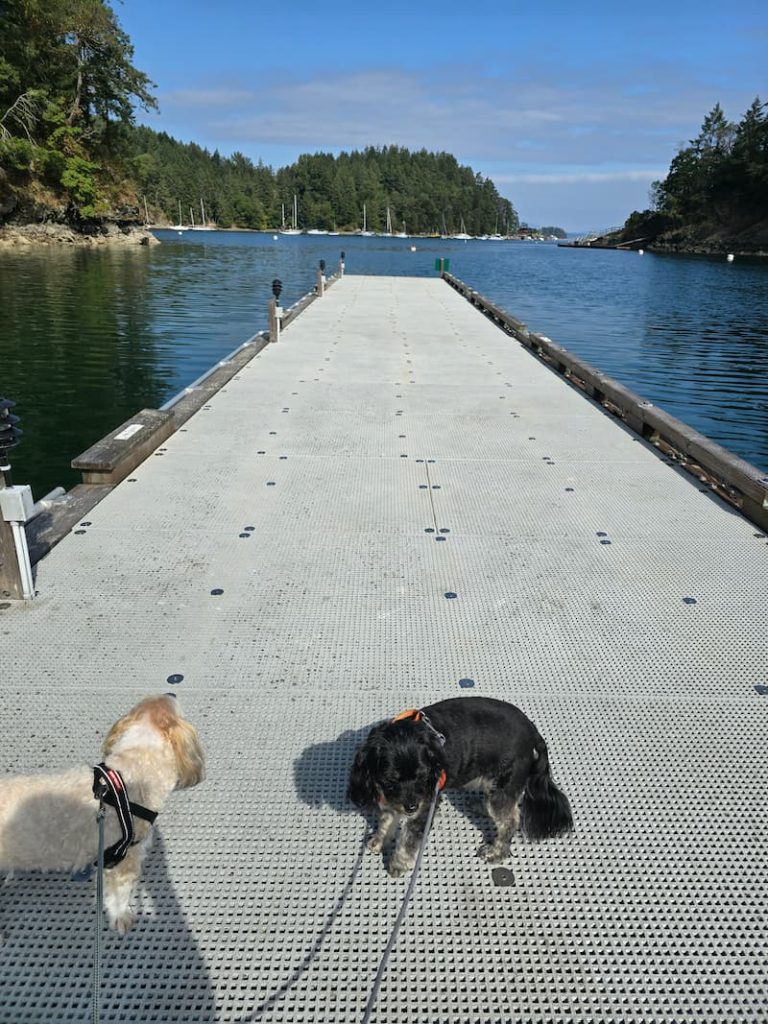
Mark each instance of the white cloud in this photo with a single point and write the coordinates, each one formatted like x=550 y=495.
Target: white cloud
x=579 y=177
x=525 y=118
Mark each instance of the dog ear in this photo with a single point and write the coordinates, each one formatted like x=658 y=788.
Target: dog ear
x=190 y=760
x=362 y=789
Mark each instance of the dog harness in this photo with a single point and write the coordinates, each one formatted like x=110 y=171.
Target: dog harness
x=417 y=715
x=109 y=788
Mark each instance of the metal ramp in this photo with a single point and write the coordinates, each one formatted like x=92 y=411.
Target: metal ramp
x=596 y=587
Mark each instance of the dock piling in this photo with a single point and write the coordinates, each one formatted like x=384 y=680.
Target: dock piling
x=320 y=288
x=341 y=264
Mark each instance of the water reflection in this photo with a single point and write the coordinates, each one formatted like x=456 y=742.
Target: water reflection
x=87 y=338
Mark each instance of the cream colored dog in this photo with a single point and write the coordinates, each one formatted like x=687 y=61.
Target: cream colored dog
x=48 y=822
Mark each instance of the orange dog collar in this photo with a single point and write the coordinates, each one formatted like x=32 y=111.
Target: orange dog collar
x=412 y=713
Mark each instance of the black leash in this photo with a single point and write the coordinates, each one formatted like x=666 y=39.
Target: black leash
x=96 y=993
x=399 y=919
x=416 y=715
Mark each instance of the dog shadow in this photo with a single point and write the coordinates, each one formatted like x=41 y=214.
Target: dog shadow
x=155 y=972
x=321 y=773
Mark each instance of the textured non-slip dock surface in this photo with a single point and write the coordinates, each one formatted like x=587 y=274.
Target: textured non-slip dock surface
x=394 y=448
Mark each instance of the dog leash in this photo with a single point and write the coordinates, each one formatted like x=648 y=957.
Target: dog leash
x=403 y=907
x=96 y=994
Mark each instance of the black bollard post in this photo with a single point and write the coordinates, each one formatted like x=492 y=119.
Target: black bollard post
x=341 y=265
x=274 y=310
x=320 y=289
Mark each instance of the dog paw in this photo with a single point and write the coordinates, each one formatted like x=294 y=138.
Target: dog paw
x=123 y=923
x=491 y=854
x=375 y=844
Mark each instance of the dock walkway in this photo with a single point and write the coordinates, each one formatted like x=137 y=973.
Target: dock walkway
x=396 y=448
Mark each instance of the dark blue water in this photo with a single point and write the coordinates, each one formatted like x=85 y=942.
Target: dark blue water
x=88 y=338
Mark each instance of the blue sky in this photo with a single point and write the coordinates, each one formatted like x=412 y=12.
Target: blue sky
x=571 y=108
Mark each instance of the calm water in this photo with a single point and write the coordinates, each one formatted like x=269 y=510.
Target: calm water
x=88 y=338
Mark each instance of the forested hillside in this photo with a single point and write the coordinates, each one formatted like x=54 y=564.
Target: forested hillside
x=716 y=193
x=422 y=190
x=70 y=150
x=68 y=89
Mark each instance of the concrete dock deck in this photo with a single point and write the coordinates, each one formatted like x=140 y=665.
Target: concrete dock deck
x=394 y=448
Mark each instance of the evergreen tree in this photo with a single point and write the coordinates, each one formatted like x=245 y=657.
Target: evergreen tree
x=723 y=167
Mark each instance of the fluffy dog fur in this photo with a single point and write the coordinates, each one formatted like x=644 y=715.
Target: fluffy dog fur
x=489 y=745
x=48 y=822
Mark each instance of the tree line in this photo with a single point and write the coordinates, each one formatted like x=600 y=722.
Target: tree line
x=719 y=179
x=70 y=149
x=416 y=192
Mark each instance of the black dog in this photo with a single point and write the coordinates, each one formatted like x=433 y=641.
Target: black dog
x=471 y=742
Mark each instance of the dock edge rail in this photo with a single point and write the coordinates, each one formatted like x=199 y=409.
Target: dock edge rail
x=737 y=481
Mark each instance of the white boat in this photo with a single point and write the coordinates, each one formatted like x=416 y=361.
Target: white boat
x=317 y=231
x=462 y=235
x=295 y=230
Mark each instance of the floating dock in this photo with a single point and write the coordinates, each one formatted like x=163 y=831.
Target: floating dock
x=395 y=504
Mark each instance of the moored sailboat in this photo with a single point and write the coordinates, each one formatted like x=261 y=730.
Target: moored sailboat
x=462 y=235
x=365 y=230
x=295 y=230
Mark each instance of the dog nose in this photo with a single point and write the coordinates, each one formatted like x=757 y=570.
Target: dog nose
x=410 y=808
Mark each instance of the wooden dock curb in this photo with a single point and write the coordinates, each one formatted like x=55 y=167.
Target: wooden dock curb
x=738 y=481
x=112 y=458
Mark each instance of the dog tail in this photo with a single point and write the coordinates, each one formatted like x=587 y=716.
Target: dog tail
x=545 y=811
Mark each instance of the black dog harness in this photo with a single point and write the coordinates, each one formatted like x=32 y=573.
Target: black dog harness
x=109 y=789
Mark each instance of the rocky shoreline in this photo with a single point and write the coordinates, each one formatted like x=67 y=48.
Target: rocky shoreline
x=20 y=237
x=655 y=232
